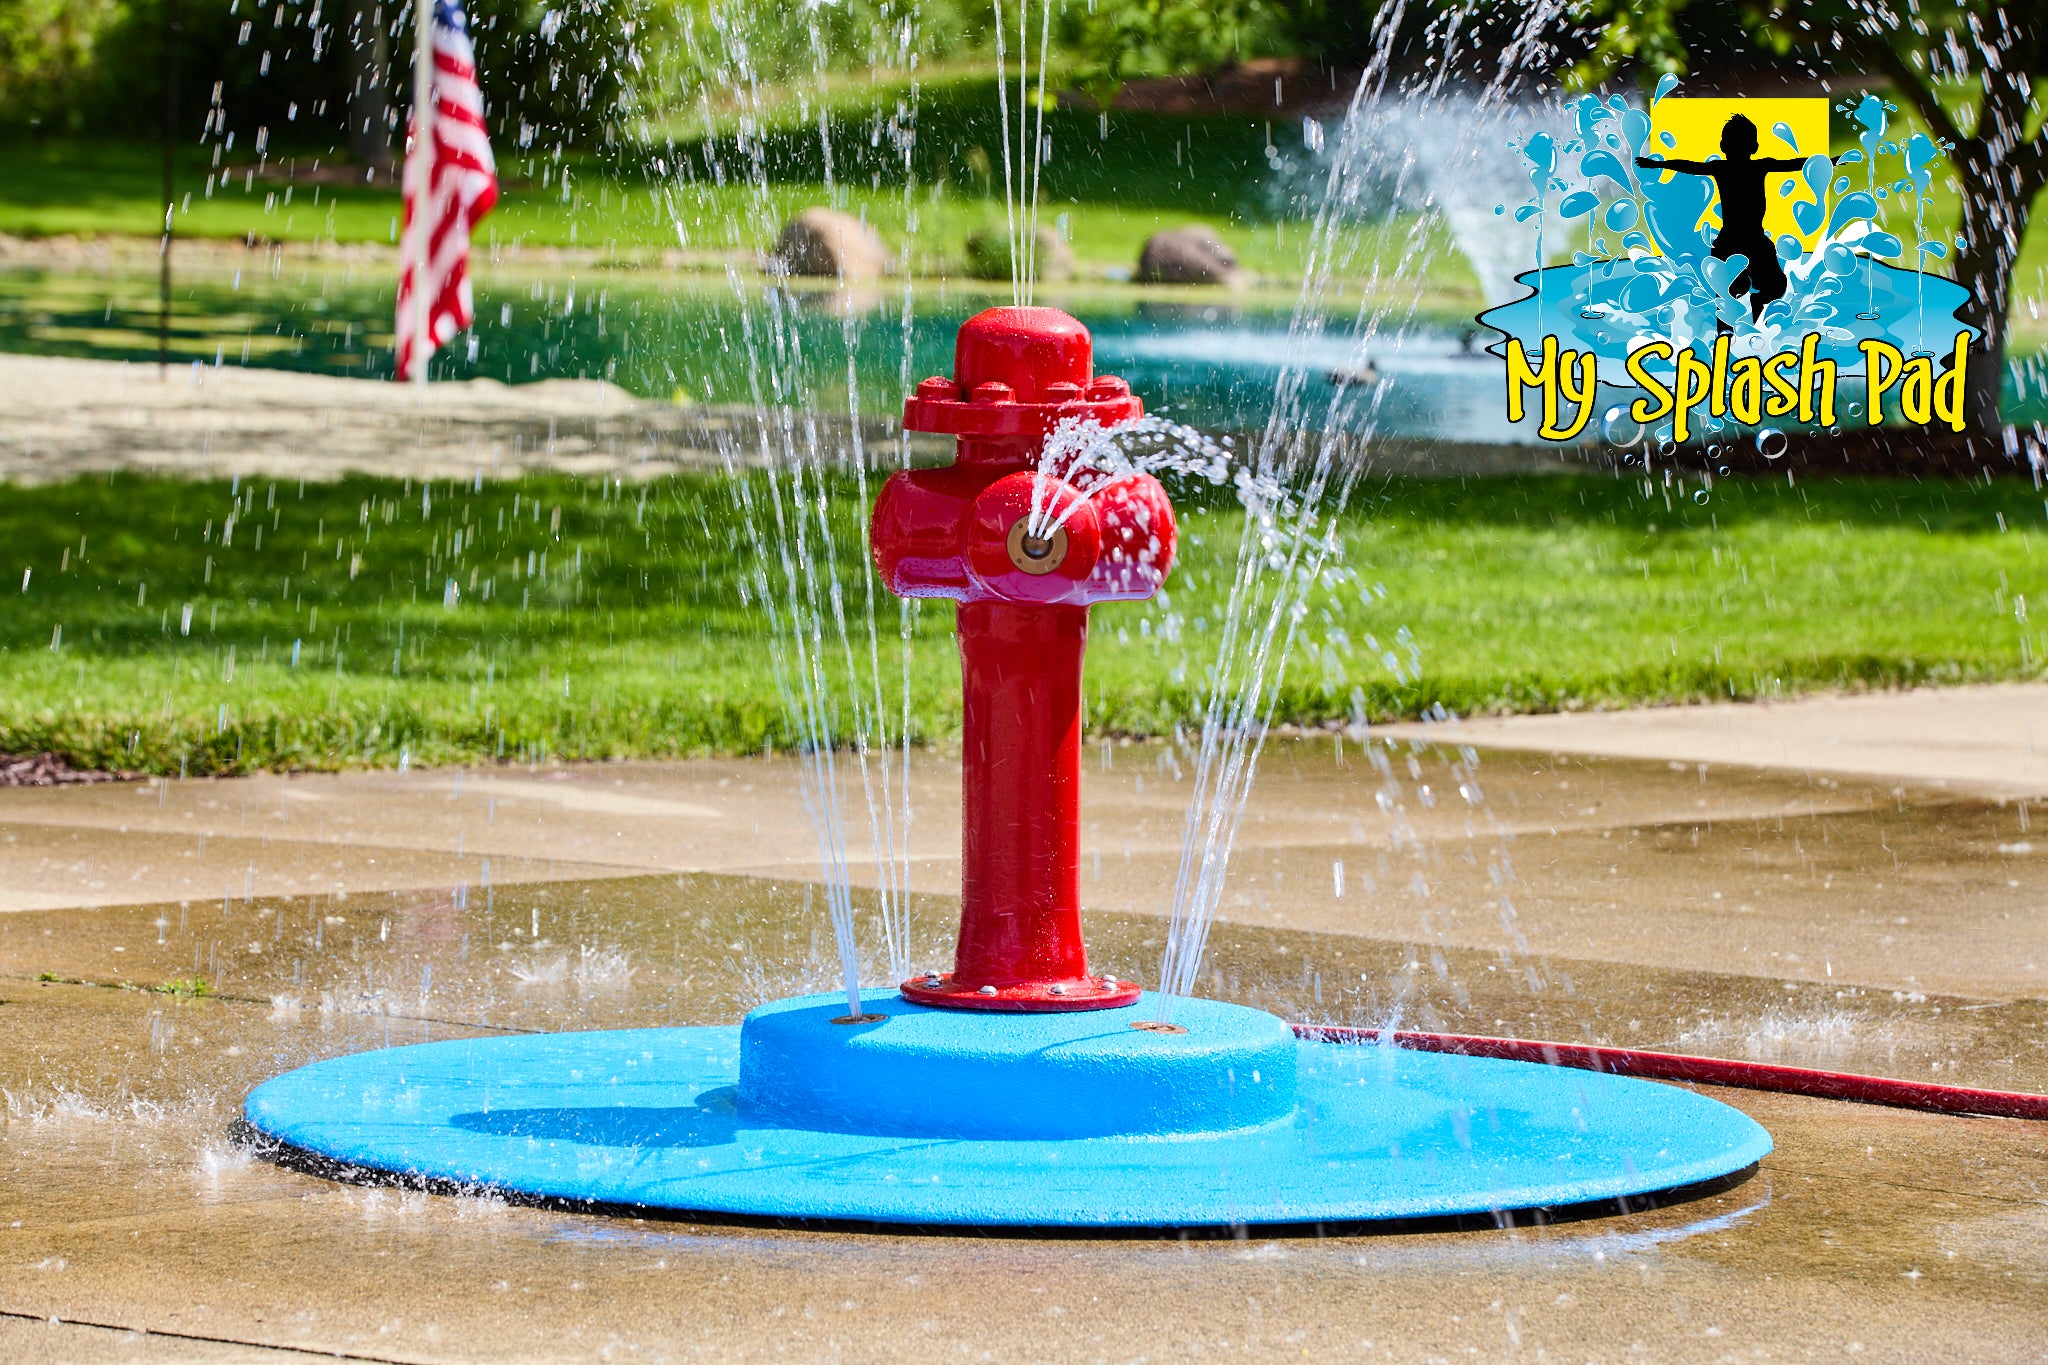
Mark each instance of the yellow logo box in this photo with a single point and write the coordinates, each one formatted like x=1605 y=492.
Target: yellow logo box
x=1695 y=126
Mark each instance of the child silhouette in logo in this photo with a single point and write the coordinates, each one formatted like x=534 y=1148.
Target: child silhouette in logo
x=1740 y=180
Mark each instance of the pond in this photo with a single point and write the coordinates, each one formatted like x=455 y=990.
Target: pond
x=1212 y=363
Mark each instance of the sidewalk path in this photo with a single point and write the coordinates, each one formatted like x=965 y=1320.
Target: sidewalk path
x=67 y=417
x=1989 y=740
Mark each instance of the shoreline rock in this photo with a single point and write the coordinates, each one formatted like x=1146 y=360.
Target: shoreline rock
x=826 y=242
x=1189 y=255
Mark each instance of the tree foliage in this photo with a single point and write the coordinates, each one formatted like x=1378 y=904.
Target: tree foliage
x=568 y=72
x=47 y=53
x=1118 y=40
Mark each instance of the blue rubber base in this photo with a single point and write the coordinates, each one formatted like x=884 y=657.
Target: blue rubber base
x=651 y=1118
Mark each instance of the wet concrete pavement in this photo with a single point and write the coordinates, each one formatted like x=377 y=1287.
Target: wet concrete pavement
x=1900 y=885
x=1855 y=922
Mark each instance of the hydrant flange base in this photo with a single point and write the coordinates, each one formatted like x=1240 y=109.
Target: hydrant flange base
x=1028 y=997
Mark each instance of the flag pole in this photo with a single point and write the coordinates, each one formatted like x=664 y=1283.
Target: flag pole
x=163 y=279
x=421 y=154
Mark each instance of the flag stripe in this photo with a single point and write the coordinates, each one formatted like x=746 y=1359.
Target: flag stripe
x=451 y=182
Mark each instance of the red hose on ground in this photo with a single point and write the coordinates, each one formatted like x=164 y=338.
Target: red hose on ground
x=1671 y=1066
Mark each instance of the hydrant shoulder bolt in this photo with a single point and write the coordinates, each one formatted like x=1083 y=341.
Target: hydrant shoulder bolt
x=1024 y=553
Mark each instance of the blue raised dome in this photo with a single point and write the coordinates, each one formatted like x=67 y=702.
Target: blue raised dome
x=923 y=1072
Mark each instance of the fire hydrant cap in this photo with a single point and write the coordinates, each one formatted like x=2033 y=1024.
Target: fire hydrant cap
x=1028 y=349
x=1017 y=374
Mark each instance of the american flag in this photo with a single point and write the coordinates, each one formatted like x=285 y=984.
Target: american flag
x=451 y=181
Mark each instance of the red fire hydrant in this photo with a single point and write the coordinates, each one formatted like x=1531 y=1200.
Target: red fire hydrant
x=981 y=532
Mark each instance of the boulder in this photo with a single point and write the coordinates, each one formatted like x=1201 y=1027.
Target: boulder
x=988 y=255
x=822 y=241
x=1189 y=255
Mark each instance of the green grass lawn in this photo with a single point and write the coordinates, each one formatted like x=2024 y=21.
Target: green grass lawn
x=137 y=631
x=1110 y=184
x=100 y=190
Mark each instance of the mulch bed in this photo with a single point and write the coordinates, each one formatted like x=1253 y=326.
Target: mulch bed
x=48 y=770
x=1266 y=87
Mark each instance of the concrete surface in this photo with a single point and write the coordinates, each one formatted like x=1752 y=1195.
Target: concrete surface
x=67 y=417
x=1881 y=923
x=1806 y=876
x=1989 y=739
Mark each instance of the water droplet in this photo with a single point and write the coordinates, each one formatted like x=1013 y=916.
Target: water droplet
x=1771 y=443
x=1618 y=428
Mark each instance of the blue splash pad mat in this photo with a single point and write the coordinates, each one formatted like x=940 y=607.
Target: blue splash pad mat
x=648 y=1118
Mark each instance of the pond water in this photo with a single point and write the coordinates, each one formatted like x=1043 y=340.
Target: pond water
x=1210 y=364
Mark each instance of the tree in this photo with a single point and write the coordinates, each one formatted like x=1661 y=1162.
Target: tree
x=1968 y=69
x=1118 y=40
x=47 y=51
x=366 y=43
x=1995 y=52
